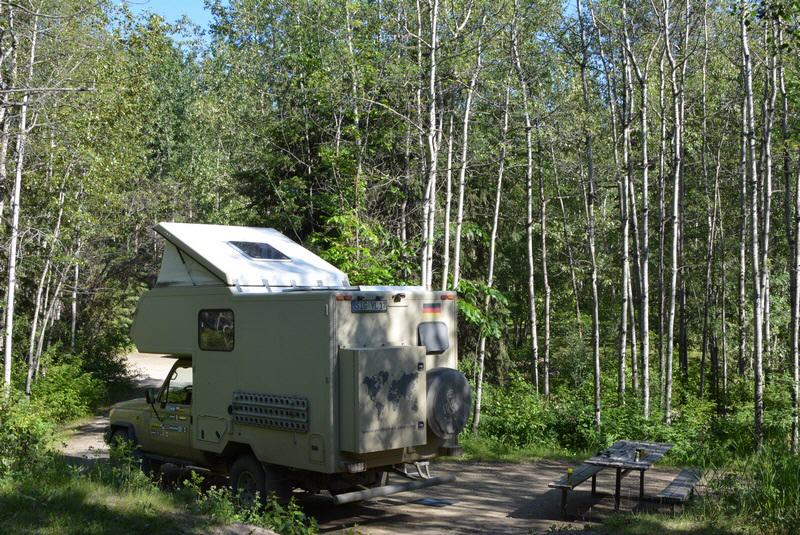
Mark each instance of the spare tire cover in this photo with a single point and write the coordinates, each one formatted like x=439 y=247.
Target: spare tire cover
x=449 y=402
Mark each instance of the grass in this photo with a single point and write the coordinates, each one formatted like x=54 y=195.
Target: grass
x=53 y=496
x=62 y=499
x=477 y=448
x=647 y=524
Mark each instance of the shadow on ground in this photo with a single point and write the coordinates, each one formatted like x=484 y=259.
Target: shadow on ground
x=489 y=498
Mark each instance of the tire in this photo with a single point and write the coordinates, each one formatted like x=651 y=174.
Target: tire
x=149 y=466
x=120 y=434
x=449 y=401
x=248 y=480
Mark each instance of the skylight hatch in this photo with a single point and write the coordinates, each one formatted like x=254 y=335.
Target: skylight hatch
x=258 y=251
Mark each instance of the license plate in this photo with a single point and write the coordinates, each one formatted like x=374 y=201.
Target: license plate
x=367 y=306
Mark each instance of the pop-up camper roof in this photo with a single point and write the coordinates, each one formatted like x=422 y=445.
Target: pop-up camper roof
x=198 y=255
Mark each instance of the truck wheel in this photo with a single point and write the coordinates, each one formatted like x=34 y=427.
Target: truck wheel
x=449 y=401
x=149 y=466
x=119 y=435
x=251 y=478
x=248 y=480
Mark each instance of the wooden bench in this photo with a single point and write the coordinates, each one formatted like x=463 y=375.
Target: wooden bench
x=681 y=488
x=579 y=475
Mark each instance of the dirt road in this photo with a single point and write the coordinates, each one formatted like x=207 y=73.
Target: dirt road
x=85 y=440
x=486 y=498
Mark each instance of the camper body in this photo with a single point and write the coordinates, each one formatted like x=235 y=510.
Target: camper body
x=326 y=386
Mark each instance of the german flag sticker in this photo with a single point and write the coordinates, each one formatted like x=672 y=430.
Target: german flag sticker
x=432 y=309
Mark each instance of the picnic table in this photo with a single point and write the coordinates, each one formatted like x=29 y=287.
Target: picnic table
x=626 y=456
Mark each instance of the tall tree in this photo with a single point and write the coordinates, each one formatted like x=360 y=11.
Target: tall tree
x=590 y=197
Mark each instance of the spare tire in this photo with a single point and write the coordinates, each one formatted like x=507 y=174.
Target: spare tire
x=449 y=402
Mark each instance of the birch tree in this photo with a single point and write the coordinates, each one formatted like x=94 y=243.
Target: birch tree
x=428 y=203
x=675 y=215
x=590 y=197
x=529 y=202
x=476 y=417
x=462 y=171
x=755 y=223
x=21 y=141
x=642 y=72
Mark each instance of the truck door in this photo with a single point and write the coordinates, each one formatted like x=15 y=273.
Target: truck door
x=171 y=421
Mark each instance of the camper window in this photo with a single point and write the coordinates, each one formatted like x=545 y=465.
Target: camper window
x=215 y=330
x=258 y=251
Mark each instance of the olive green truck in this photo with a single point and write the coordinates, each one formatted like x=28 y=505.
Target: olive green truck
x=286 y=376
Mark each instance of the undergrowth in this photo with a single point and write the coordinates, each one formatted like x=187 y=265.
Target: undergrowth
x=222 y=504
x=42 y=493
x=746 y=492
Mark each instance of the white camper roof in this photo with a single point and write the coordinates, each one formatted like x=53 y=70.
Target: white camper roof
x=198 y=255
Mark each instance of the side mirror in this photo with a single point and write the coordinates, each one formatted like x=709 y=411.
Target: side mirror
x=151 y=395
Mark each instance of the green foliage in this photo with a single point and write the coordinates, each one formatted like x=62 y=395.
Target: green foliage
x=571 y=361
x=762 y=490
x=366 y=252
x=124 y=469
x=473 y=295
x=515 y=415
x=221 y=504
x=24 y=436
x=67 y=391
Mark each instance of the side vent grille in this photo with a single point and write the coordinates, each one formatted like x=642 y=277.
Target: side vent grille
x=287 y=413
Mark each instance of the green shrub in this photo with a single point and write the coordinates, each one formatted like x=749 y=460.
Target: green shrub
x=514 y=415
x=764 y=489
x=24 y=436
x=573 y=424
x=67 y=391
x=124 y=468
x=223 y=505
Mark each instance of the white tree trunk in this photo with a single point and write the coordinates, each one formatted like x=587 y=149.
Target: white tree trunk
x=545 y=278
x=476 y=416
x=15 y=209
x=529 y=196
x=8 y=55
x=447 y=207
x=462 y=171
x=45 y=271
x=356 y=126
x=758 y=308
x=433 y=149
x=590 y=199
x=676 y=189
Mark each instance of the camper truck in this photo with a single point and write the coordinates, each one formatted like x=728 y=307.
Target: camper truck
x=287 y=377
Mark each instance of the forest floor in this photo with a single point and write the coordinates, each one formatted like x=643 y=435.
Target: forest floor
x=488 y=497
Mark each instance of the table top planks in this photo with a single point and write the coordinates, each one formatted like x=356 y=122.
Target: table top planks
x=622 y=454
